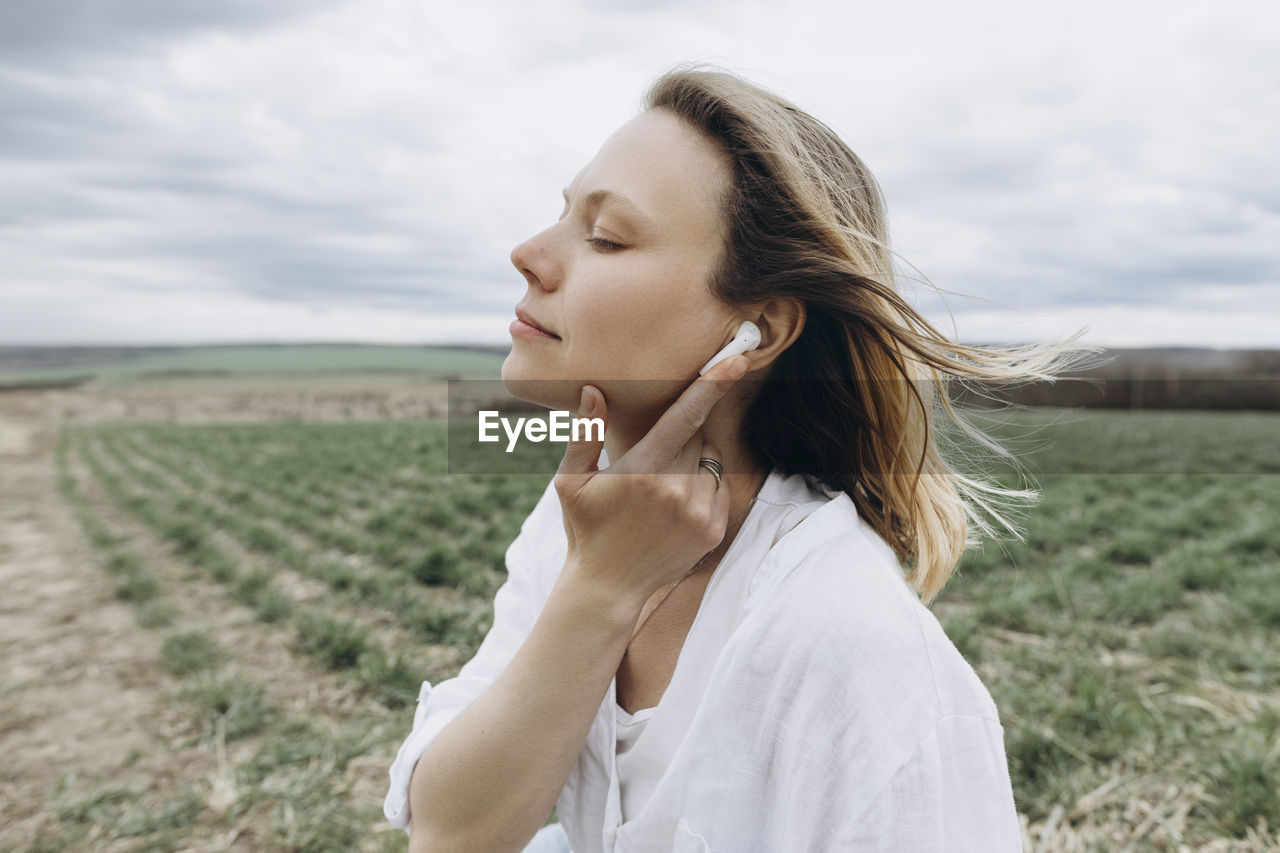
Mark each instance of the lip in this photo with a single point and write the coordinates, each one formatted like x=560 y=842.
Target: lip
x=526 y=322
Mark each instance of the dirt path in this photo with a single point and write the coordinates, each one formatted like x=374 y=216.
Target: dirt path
x=82 y=693
x=85 y=704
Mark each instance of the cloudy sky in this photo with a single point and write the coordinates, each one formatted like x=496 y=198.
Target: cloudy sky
x=184 y=171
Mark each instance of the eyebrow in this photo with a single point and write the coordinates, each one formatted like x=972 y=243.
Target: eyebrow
x=598 y=197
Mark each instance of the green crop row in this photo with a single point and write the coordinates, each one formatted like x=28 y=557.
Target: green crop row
x=1131 y=632
x=392 y=678
x=462 y=626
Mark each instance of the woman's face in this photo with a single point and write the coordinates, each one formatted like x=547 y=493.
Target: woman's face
x=621 y=278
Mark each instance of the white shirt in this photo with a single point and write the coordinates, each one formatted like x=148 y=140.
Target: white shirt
x=638 y=773
x=783 y=502
x=816 y=704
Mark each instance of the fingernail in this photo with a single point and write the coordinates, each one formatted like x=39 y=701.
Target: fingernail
x=585 y=404
x=739 y=367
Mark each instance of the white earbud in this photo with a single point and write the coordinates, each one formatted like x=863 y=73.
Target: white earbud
x=747 y=338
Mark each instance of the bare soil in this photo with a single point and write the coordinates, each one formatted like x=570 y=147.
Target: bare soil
x=84 y=700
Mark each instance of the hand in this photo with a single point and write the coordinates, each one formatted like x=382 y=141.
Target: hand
x=647 y=518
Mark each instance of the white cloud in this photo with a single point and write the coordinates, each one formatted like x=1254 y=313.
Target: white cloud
x=1102 y=164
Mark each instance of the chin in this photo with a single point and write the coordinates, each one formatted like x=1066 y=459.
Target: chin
x=526 y=382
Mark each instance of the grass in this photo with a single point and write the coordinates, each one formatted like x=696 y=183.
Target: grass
x=133 y=582
x=289 y=793
x=308 y=806
x=229 y=709
x=188 y=652
x=1150 y=596
x=1130 y=635
x=336 y=643
x=126 y=812
x=1248 y=775
x=266 y=536
x=297 y=776
x=258 y=591
x=132 y=367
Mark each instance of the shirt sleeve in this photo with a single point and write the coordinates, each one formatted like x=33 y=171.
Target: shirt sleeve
x=952 y=795
x=516 y=607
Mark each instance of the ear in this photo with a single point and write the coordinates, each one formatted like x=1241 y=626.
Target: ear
x=781 y=321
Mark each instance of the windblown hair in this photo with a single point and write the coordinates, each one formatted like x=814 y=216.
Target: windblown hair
x=859 y=398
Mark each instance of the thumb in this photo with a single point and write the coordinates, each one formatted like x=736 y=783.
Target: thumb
x=586 y=439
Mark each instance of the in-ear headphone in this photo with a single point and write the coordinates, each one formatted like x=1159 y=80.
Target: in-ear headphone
x=747 y=338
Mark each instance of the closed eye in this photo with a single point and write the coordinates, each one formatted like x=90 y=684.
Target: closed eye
x=604 y=245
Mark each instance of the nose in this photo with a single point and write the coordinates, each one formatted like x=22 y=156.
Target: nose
x=536 y=262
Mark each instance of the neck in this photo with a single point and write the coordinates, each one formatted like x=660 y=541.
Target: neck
x=744 y=472
x=746 y=494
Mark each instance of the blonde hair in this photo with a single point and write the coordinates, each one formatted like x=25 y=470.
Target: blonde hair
x=854 y=400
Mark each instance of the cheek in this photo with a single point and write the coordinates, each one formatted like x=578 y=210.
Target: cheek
x=617 y=302
x=645 y=317
x=611 y=336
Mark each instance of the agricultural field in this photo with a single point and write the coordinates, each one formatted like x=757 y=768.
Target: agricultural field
x=215 y=631
x=119 y=367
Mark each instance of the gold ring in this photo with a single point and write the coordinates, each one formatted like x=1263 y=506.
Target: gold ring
x=713 y=466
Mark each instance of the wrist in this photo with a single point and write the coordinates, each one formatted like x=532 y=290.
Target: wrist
x=599 y=601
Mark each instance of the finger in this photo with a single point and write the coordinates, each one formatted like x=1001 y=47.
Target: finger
x=694 y=476
x=687 y=414
x=686 y=461
x=582 y=455
x=719 y=497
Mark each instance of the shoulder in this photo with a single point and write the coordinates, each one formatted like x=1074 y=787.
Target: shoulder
x=837 y=606
x=837 y=575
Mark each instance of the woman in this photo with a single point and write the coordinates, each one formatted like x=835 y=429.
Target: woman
x=728 y=649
